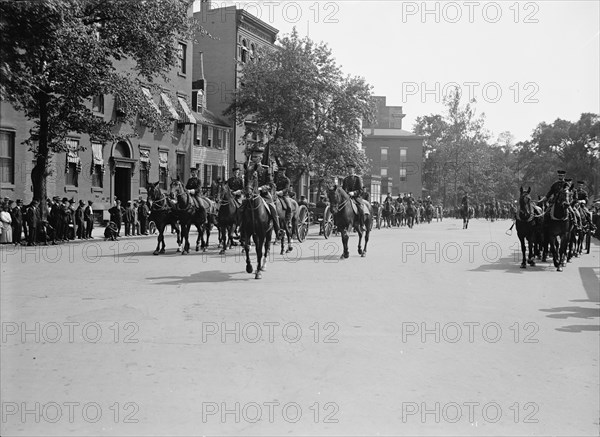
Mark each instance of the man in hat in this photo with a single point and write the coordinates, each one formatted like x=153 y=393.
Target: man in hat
x=556 y=187
x=16 y=214
x=193 y=185
x=79 y=220
x=236 y=184
x=143 y=214
x=353 y=185
x=265 y=184
x=88 y=218
x=282 y=185
x=128 y=217
x=215 y=188
x=34 y=219
x=116 y=215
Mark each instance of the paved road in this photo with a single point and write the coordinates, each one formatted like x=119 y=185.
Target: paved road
x=436 y=332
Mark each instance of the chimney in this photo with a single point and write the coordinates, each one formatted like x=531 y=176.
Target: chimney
x=198 y=87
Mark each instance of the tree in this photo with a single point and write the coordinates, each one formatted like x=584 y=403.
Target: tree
x=56 y=55
x=299 y=95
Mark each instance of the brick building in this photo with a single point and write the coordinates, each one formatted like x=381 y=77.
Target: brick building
x=102 y=171
x=238 y=35
x=396 y=155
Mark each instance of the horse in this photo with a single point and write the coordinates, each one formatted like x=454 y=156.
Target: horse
x=377 y=213
x=429 y=213
x=400 y=217
x=190 y=213
x=282 y=223
x=528 y=224
x=466 y=212
x=439 y=214
x=162 y=215
x=411 y=214
x=228 y=218
x=558 y=225
x=388 y=212
x=344 y=217
x=256 y=222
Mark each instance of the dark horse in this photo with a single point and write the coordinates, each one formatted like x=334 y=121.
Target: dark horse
x=344 y=217
x=161 y=214
x=466 y=212
x=228 y=218
x=411 y=214
x=256 y=222
x=190 y=213
x=528 y=223
x=289 y=231
x=558 y=224
x=429 y=211
x=388 y=214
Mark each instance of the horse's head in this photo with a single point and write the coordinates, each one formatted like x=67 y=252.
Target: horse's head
x=525 y=207
x=153 y=190
x=250 y=178
x=334 y=197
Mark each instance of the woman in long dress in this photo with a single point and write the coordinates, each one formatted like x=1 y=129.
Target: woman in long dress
x=6 y=236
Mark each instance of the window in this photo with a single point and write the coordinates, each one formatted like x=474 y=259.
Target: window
x=163 y=162
x=97 y=166
x=73 y=163
x=197 y=134
x=98 y=103
x=218 y=140
x=210 y=136
x=252 y=52
x=244 y=51
x=402 y=174
x=97 y=176
x=403 y=154
x=384 y=155
x=207 y=175
x=144 y=171
x=384 y=172
x=180 y=167
x=7 y=157
x=182 y=55
x=204 y=135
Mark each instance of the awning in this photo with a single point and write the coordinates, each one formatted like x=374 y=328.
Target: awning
x=97 y=154
x=163 y=159
x=167 y=104
x=189 y=117
x=150 y=100
x=72 y=156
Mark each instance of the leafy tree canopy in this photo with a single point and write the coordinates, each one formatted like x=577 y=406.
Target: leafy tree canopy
x=298 y=94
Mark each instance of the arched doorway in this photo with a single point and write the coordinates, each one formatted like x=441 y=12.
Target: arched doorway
x=123 y=165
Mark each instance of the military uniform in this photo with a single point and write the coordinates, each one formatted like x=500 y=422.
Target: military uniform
x=282 y=186
x=17 y=222
x=352 y=185
x=558 y=185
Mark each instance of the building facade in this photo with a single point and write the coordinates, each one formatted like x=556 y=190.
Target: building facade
x=237 y=37
x=396 y=155
x=103 y=172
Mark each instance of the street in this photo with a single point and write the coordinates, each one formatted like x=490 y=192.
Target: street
x=437 y=331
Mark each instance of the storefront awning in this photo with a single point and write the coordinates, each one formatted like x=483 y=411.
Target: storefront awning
x=169 y=106
x=150 y=100
x=189 y=117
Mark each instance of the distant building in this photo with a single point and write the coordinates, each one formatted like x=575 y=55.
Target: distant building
x=237 y=38
x=396 y=155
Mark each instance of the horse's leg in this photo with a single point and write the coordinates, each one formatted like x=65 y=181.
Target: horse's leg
x=344 y=232
x=523 y=251
x=531 y=251
x=258 y=241
x=367 y=232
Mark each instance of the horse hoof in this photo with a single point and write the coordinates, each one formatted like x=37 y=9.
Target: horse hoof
x=162 y=251
x=258 y=275
x=523 y=266
x=363 y=254
x=532 y=263
x=197 y=249
x=289 y=249
x=222 y=251
x=360 y=252
x=178 y=250
x=184 y=253
x=155 y=252
x=346 y=254
x=559 y=269
x=249 y=268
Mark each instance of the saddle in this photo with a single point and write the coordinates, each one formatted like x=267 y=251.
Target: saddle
x=354 y=204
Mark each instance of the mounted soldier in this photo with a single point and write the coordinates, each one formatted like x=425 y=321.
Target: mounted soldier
x=352 y=185
x=282 y=185
x=236 y=184
x=265 y=184
x=194 y=186
x=582 y=198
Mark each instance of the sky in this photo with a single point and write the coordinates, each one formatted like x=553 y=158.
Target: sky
x=524 y=62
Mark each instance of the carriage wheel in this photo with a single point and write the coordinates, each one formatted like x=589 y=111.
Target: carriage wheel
x=327 y=222
x=302 y=223
x=152 y=227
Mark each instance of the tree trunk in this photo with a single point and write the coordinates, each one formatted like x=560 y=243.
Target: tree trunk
x=39 y=173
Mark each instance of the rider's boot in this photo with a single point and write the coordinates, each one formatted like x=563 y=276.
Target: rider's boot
x=278 y=231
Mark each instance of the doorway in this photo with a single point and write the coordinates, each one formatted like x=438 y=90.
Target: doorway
x=123 y=184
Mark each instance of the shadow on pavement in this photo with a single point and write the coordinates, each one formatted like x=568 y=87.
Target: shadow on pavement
x=511 y=264
x=200 y=277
